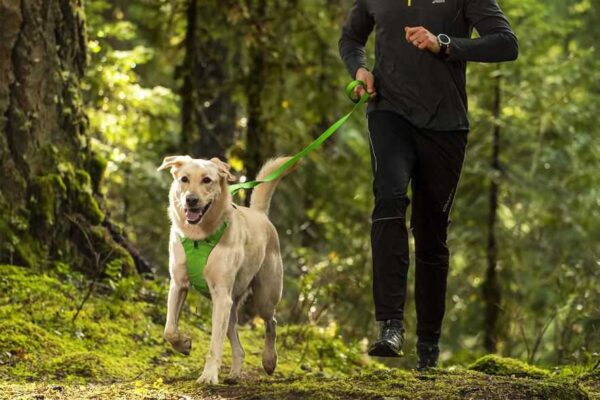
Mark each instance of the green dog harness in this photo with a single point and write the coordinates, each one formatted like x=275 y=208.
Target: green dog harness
x=196 y=254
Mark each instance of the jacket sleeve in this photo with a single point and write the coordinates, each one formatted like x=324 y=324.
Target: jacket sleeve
x=496 y=41
x=356 y=31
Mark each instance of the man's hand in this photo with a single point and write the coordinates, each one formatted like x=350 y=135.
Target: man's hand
x=422 y=38
x=367 y=77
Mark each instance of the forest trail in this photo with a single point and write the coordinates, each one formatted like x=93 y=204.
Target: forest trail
x=383 y=384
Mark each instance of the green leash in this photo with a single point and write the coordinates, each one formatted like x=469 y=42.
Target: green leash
x=312 y=146
x=197 y=251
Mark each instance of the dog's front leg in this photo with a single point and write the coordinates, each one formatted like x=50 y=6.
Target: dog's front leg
x=221 y=310
x=176 y=299
x=178 y=289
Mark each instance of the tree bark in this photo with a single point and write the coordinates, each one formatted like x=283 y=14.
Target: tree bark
x=49 y=178
x=491 y=285
x=208 y=112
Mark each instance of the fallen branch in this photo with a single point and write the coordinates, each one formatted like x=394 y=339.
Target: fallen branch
x=141 y=264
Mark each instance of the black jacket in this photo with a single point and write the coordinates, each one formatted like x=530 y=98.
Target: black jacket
x=427 y=90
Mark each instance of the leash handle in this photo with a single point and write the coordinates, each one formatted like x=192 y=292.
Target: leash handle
x=351 y=92
x=359 y=101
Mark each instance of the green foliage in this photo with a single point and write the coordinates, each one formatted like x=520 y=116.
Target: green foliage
x=133 y=114
x=547 y=226
x=548 y=216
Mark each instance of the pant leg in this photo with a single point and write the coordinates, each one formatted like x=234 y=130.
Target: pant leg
x=392 y=160
x=440 y=158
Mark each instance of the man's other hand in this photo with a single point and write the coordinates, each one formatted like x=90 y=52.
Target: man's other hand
x=366 y=76
x=422 y=39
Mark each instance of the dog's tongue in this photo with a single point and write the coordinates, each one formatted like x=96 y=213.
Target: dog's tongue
x=193 y=215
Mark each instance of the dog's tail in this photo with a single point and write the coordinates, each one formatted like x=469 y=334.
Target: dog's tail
x=261 y=195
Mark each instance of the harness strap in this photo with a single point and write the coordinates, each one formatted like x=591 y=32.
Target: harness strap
x=196 y=254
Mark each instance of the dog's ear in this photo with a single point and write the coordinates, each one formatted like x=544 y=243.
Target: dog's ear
x=174 y=162
x=224 y=169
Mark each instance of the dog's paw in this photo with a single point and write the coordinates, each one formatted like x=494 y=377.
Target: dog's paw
x=182 y=344
x=269 y=362
x=234 y=376
x=208 y=379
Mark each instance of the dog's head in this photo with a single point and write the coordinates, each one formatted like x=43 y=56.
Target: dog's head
x=197 y=184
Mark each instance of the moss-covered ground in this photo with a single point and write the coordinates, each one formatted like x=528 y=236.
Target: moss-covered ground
x=114 y=350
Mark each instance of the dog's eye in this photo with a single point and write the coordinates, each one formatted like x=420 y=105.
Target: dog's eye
x=184 y=179
x=206 y=179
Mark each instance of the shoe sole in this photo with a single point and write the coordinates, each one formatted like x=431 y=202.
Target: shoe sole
x=384 y=350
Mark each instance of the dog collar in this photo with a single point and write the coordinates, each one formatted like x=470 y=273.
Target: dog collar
x=196 y=254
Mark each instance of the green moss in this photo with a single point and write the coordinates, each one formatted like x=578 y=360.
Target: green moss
x=18 y=248
x=496 y=365
x=593 y=376
x=53 y=225
x=110 y=251
x=115 y=348
x=47 y=192
x=80 y=193
x=96 y=166
x=82 y=366
x=591 y=381
x=22 y=339
x=84 y=198
x=16 y=245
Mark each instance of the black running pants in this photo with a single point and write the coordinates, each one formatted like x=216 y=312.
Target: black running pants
x=431 y=161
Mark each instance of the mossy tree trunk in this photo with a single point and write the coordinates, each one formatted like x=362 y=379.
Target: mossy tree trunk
x=208 y=111
x=49 y=178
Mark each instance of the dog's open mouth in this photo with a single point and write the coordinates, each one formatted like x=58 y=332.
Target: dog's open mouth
x=194 y=215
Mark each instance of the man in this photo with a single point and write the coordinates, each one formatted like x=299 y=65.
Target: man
x=417 y=118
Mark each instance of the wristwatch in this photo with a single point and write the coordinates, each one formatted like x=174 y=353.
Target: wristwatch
x=444 y=42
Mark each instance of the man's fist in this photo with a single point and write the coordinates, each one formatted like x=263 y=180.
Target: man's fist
x=367 y=77
x=422 y=38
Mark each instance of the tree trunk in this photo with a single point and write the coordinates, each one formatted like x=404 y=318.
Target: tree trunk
x=491 y=286
x=208 y=112
x=259 y=142
x=49 y=177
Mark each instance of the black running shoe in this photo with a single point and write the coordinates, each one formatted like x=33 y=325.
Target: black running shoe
x=428 y=354
x=391 y=339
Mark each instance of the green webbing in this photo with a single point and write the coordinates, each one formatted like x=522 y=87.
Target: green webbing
x=196 y=254
x=312 y=146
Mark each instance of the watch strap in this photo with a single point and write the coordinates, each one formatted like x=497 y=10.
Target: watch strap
x=443 y=53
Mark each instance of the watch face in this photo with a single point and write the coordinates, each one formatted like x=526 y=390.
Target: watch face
x=444 y=39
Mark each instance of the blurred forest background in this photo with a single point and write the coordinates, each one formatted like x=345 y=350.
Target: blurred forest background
x=92 y=99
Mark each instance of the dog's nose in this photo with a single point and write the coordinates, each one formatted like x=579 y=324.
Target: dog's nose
x=191 y=200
